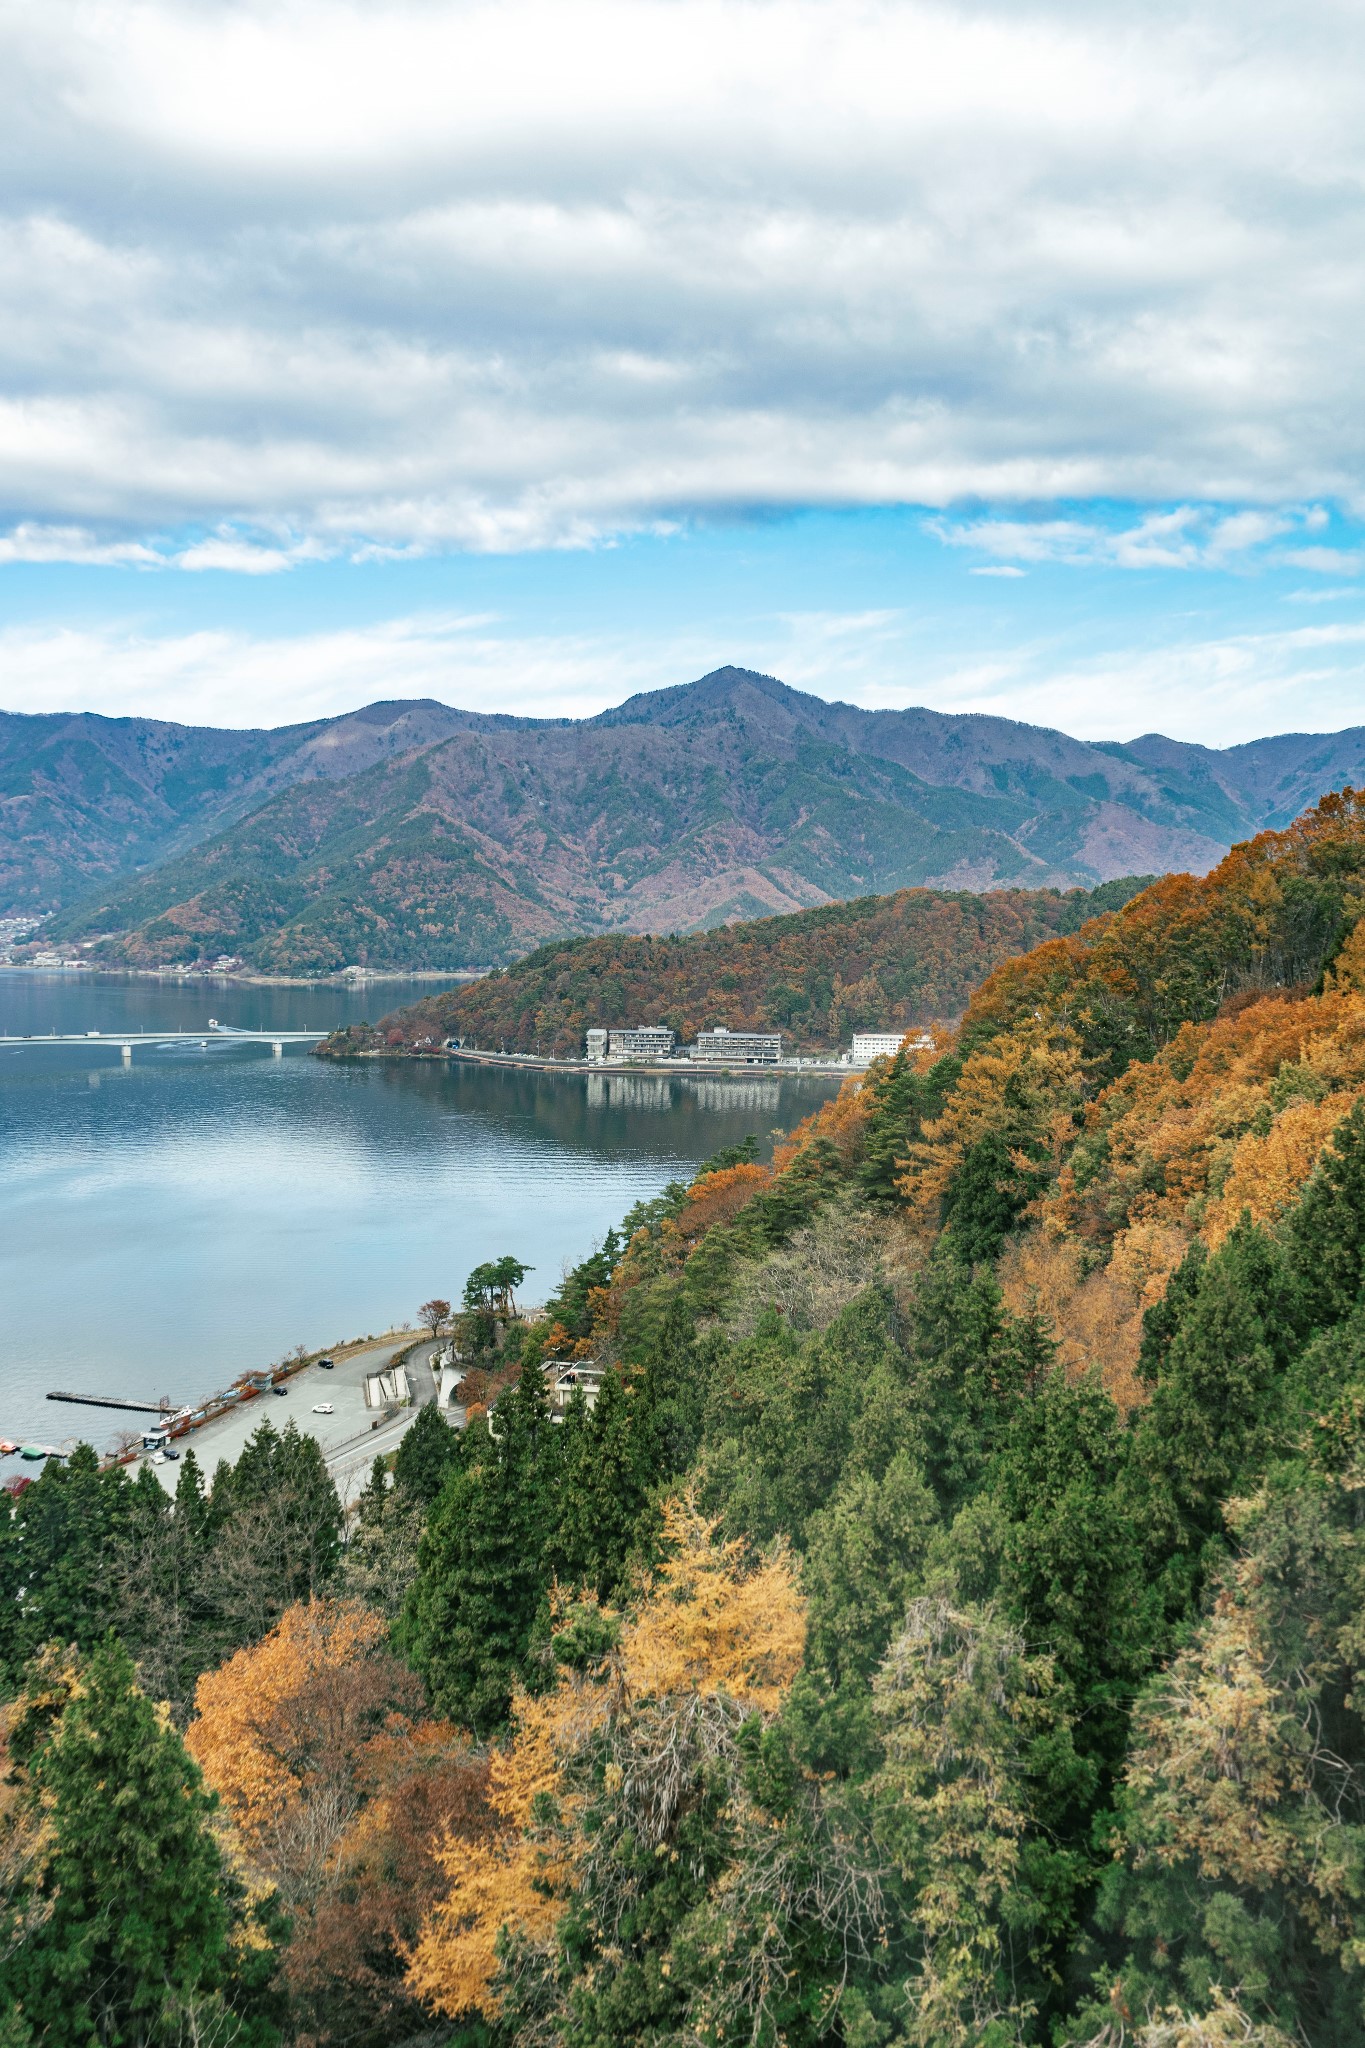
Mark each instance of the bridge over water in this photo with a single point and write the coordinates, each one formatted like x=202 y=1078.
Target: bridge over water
x=216 y=1034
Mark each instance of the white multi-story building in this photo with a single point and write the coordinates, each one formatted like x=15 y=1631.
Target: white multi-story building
x=878 y=1045
x=597 y=1045
x=875 y=1045
x=641 y=1041
x=740 y=1048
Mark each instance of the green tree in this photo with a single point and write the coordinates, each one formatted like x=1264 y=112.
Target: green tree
x=1327 y=1229
x=598 y=1518
x=11 y=1584
x=898 y=1107
x=136 y=1934
x=988 y=1194
x=1214 y=1415
x=1240 y=1851
x=482 y=1566
x=429 y=1449
x=491 y=1286
x=71 y=1522
x=864 y=1561
x=274 y=1536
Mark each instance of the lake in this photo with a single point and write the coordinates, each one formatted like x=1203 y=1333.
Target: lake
x=168 y=1224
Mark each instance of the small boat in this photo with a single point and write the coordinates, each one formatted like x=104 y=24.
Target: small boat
x=32 y=1452
x=7 y=1446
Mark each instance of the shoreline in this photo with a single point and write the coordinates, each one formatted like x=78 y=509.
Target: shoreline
x=677 y=1070
x=226 y=978
x=251 y=1385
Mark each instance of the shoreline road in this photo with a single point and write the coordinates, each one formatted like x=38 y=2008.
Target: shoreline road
x=348 y=1436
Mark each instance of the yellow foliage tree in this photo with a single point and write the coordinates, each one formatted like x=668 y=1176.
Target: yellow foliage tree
x=1025 y=1087
x=714 y=1626
x=252 y=1750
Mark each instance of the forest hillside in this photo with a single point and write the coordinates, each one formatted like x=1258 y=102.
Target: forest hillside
x=816 y=975
x=943 y=1630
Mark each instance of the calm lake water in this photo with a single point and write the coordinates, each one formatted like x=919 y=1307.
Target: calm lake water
x=165 y=1226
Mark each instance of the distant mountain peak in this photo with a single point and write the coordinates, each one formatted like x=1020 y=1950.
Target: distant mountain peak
x=412 y=833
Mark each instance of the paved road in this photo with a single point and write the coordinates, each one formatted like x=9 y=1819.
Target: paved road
x=349 y=1442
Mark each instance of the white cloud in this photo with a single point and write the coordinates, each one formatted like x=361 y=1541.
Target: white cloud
x=227 y=550
x=30 y=542
x=505 y=274
x=997 y=569
x=1182 y=537
x=1327 y=561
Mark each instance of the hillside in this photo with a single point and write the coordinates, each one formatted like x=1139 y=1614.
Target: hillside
x=816 y=975
x=86 y=800
x=943 y=1627
x=413 y=835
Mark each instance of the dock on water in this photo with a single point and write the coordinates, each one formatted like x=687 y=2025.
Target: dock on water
x=108 y=1401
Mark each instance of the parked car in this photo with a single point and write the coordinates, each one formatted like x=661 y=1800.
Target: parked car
x=326 y=1364
x=158 y=1457
x=281 y=1391
x=322 y=1407
x=169 y=1453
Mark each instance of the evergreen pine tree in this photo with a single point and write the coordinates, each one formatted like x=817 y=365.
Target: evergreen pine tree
x=1326 y=1236
x=369 y=1509
x=963 y=1378
x=428 y=1450
x=1214 y=1413
x=571 y=1551
x=483 y=1564
x=1162 y=1320
x=71 y=1522
x=670 y=1401
x=893 y=1123
x=988 y=1194
x=154 y=1595
x=191 y=1503
x=137 y=1927
x=618 y=1479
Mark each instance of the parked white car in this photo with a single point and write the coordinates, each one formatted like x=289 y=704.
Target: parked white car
x=322 y=1407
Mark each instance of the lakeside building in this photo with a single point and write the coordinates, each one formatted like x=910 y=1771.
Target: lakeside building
x=875 y=1045
x=743 y=1048
x=631 y=1042
x=641 y=1042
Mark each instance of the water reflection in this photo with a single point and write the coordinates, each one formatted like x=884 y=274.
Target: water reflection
x=169 y=1224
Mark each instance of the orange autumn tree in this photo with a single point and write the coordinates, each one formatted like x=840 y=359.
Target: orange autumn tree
x=712 y=1198
x=718 y=1636
x=336 y=1791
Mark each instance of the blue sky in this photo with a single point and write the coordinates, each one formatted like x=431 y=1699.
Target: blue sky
x=996 y=357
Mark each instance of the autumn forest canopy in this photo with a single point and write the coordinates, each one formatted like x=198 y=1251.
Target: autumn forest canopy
x=944 y=1630
x=878 y=963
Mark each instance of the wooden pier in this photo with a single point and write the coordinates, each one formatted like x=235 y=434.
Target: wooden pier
x=107 y=1401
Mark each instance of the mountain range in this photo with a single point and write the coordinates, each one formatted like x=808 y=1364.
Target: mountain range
x=415 y=834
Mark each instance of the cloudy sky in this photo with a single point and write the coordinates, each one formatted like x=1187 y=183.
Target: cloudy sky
x=993 y=357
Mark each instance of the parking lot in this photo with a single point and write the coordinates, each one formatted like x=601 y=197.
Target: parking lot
x=348 y=1437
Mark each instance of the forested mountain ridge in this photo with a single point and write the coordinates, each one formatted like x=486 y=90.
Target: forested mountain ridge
x=421 y=836
x=944 y=1630
x=86 y=799
x=877 y=963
